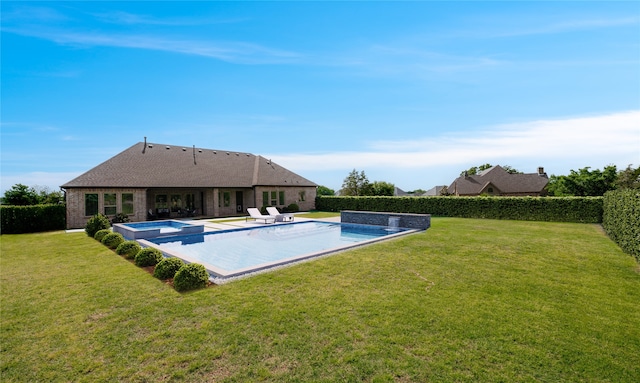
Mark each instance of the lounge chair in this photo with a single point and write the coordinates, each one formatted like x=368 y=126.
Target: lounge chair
x=280 y=217
x=256 y=215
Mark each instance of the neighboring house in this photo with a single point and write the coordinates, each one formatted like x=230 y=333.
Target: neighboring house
x=156 y=180
x=434 y=191
x=397 y=192
x=496 y=181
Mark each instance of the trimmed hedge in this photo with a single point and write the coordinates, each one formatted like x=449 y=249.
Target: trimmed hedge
x=32 y=219
x=112 y=240
x=149 y=256
x=96 y=223
x=167 y=268
x=190 y=277
x=100 y=234
x=128 y=249
x=556 y=209
x=621 y=219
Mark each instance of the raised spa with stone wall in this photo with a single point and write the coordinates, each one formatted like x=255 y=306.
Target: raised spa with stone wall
x=404 y=220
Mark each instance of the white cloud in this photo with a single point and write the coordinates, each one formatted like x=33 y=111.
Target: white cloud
x=611 y=138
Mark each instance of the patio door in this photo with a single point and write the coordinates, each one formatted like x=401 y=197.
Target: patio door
x=239 y=202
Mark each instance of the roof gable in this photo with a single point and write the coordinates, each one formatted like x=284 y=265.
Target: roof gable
x=159 y=165
x=503 y=181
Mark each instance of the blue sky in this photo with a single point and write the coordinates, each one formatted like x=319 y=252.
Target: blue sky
x=412 y=93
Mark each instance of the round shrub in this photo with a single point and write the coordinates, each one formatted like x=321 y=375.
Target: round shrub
x=167 y=268
x=190 y=277
x=120 y=218
x=149 y=256
x=112 y=240
x=95 y=223
x=128 y=249
x=100 y=234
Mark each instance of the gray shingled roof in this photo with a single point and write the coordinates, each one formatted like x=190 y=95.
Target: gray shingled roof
x=506 y=183
x=159 y=165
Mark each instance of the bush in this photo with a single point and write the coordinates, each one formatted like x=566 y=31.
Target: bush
x=128 y=249
x=95 y=223
x=621 y=219
x=112 y=240
x=149 y=256
x=120 y=218
x=32 y=219
x=167 y=268
x=100 y=234
x=190 y=277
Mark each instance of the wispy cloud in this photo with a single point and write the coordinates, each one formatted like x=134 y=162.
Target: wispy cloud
x=54 y=25
x=568 y=26
x=238 y=52
x=613 y=136
x=126 y=18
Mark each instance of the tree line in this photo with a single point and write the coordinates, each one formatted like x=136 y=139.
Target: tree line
x=23 y=195
x=580 y=183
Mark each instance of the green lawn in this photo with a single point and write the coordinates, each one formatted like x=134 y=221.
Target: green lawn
x=466 y=301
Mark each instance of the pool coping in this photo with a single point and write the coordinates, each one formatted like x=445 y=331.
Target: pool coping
x=219 y=275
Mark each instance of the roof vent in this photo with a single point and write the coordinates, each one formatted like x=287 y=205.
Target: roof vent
x=184 y=149
x=150 y=145
x=167 y=147
x=199 y=150
x=214 y=152
x=227 y=153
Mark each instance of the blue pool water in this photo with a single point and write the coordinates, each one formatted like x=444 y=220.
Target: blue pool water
x=167 y=224
x=235 y=252
x=142 y=230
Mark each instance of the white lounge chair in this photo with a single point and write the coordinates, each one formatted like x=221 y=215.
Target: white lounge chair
x=280 y=217
x=255 y=214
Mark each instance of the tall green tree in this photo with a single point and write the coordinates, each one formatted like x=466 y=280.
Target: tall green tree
x=383 y=188
x=323 y=190
x=356 y=184
x=48 y=196
x=21 y=195
x=472 y=171
x=628 y=178
x=584 y=182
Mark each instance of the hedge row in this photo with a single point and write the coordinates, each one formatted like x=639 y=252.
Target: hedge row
x=557 y=209
x=621 y=219
x=32 y=219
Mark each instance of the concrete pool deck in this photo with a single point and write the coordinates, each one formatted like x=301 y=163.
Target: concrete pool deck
x=241 y=222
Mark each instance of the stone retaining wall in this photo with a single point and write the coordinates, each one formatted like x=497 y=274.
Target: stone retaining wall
x=405 y=220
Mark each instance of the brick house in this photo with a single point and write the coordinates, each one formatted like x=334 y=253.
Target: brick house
x=156 y=180
x=496 y=181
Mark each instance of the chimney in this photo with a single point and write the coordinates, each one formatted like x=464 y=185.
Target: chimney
x=541 y=171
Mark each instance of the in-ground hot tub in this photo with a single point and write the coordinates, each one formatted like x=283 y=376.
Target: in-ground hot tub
x=154 y=229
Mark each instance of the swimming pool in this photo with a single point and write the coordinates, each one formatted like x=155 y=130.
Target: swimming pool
x=235 y=252
x=152 y=229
